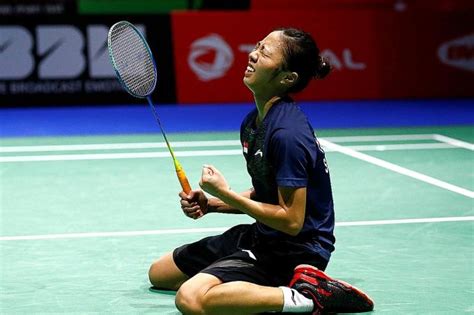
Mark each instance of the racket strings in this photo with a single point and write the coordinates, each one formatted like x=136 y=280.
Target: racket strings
x=133 y=60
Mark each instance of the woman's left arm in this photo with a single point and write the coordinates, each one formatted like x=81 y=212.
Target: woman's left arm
x=287 y=216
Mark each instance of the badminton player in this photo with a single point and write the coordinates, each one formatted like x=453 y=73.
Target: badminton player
x=275 y=264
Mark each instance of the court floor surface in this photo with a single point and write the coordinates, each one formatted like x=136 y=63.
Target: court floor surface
x=82 y=218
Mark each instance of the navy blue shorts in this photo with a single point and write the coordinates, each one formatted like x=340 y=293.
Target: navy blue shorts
x=239 y=255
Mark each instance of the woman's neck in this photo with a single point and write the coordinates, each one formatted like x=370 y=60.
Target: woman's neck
x=264 y=105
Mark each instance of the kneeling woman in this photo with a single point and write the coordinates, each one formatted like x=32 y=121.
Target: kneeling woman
x=254 y=268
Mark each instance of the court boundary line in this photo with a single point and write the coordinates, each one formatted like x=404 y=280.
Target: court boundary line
x=134 y=146
x=113 y=156
x=397 y=168
x=375 y=138
x=198 y=143
x=214 y=143
x=116 y=146
x=221 y=229
x=209 y=143
x=446 y=143
x=454 y=142
x=353 y=151
x=164 y=154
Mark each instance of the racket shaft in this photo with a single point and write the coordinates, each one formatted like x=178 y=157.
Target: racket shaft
x=183 y=180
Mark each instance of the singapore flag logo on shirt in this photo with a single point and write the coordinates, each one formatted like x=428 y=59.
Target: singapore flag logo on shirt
x=246 y=147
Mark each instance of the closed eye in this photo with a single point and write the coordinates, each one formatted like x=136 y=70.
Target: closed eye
x=262 y=48
x=256 y=46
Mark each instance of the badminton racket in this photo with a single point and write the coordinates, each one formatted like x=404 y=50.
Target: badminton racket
x=136 y=71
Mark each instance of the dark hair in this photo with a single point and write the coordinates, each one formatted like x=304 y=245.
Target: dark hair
x=302 y=55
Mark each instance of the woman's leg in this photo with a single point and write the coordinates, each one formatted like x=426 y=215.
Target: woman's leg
x=164 y=273
x=206 y=294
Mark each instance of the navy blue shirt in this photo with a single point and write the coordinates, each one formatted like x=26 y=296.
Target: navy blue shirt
x=283 y=152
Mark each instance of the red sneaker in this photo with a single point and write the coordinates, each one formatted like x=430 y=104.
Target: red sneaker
x=329 y=295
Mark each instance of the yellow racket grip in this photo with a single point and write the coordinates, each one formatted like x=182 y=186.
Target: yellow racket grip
x=183 y=180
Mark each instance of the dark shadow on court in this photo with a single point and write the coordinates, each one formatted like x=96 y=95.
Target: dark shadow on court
x=161 y=291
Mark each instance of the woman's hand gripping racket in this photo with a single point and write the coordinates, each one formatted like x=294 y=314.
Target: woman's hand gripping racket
x=136 y=70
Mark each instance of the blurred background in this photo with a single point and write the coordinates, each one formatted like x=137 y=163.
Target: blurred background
x=54 y=53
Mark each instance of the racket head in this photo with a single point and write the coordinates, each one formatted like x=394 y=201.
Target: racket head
x=132 y=59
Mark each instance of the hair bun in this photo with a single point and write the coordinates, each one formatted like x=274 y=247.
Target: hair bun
x=323 y=68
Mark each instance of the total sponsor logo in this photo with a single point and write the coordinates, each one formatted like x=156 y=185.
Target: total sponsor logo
x=212 y=44
x=458 y=53
x=223 y=57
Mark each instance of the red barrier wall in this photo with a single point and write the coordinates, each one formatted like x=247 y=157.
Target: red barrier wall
x=376 y=54
x=320 y=4
x=399 y=5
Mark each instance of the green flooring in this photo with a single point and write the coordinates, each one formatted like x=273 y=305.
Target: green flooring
x=408 y=268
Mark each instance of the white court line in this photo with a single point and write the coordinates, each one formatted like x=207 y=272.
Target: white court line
x=218 y=229
x=375 y=138
x=406 y=221
x=143 y=155
x=183 y=144
x=397 y=168
x=216 y=143
x=454 y=142
x=116 y=146
x=106 y=156
x=397 y=147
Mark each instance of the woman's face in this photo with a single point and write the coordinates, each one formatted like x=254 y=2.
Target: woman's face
x=265 y=63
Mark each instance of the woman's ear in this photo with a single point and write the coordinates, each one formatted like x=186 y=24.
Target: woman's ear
x=289 y=79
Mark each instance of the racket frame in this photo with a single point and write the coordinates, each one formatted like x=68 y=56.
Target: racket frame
x=183 y=180
x=115 y=66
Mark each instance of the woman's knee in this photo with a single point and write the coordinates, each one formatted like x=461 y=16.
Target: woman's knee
x=154 y=273
x=164 y=273
x=188 y=301
x=191 y=297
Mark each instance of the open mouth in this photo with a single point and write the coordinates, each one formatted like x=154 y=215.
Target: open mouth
x=249 y=69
